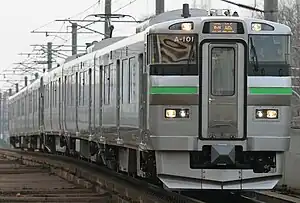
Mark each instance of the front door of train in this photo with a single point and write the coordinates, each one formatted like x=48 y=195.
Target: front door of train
x=223 y=90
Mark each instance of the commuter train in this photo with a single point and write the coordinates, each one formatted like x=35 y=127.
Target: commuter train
x=195 y=99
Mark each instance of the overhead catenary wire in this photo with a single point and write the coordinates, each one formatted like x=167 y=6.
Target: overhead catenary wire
x=78 y=14
x=96 y=4
x=32 y=57
x=67 y=39
x=122 y=7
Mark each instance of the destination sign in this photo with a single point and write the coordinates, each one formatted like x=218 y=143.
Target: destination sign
x=223 y=27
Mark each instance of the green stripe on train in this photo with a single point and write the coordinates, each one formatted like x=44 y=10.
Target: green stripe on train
x=271 y=90
x=173 y=90
x=194 y=90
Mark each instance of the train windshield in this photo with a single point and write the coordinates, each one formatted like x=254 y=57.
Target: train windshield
x=269 y=55
x=172 y=54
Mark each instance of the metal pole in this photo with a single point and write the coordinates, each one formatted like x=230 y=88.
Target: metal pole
x=1 y=115
x=298 y=17
x=49 y=54
x=26 y=81
x=4 y=116
x=17 y=87
x=74 y=38
x=271 y=10
x=296 y=57
x=160 y=7
x=107 y=18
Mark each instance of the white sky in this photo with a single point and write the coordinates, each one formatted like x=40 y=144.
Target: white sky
x=19 y=17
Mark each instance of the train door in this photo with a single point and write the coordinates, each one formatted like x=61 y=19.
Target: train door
x=224 y=89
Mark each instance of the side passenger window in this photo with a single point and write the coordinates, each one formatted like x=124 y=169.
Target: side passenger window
x=106 y=84
x=124 y=81
x=132 y=82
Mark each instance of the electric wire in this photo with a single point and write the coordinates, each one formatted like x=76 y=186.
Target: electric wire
x=122 y=7
x=61 y=28
x=63 y=25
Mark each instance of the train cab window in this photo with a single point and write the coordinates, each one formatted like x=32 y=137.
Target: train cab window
x=222 y=71
x=172 y=54
x=269 y=55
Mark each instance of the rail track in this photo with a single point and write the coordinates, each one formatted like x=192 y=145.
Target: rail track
x=25 y=181
x=38 y=177
x=273 y=197
x=87 y=179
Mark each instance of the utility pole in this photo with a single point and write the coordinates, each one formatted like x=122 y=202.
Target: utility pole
x=26 y=81
x=296 y=81
x=160 y=7
x=74 y=38
x=107 y=18
x=255 y=4
x=1 y=117
x=4 y=116
x=194 y=3
x=49 y=55
x=298 y=18
x=271 y=10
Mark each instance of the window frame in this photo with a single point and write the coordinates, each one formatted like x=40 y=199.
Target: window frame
x=233 y=70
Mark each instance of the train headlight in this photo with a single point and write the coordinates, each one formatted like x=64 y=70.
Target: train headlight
x=186 y=26
x=272 y=114
x=183 y=113
x=266 y=114
x=177 y=113
x=170 y=113
x=259 y=114
x=256 y=27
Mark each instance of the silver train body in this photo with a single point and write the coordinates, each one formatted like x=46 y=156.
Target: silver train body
x=199 y=103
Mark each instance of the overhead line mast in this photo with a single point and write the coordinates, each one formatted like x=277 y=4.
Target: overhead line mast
x=270 y=9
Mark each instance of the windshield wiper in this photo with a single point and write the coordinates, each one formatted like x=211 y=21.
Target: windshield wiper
x=254 y=56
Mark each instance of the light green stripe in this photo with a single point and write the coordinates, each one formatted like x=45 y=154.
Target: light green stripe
x=271 y=90
x=194 y=90
x=173 y=90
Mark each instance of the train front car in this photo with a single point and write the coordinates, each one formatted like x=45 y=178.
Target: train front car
x=219 y=101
